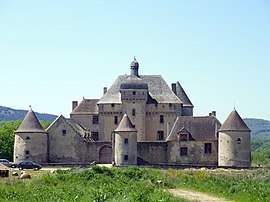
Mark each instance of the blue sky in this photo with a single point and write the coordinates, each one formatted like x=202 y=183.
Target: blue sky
x=53 y=52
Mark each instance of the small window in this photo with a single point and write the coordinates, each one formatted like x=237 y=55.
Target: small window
x=134 y=92
x=183 y=151
x=133 y=112
x=95 y=119
x=115 y=120
x=125 y=157
x=28 y=138
x=160 y=135
x=126 y=141
x=183 y=137
x=95 y=136
x=170 y=105
x=112 y=104
x=64 y=132
x=26 y=152
x=239 y=140
x=161 y=119
x=207 y=148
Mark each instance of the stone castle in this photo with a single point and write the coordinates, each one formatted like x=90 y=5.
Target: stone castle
x=138 y=120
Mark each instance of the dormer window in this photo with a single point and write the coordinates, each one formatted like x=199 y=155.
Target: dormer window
x=183 y=137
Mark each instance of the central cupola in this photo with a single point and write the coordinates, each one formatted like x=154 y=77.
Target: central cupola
x=134 y=68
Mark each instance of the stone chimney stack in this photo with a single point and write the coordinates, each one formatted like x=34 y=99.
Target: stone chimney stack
x=213 y=113
x=174 y=88
x=104 y=90
x=74 y=104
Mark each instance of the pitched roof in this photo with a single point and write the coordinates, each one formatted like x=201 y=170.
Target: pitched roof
x=157 y=87
x=234 y=123
x=202 y=128
x=30 y=124
x=182 y=95
x=86 y=106
x=77 y=128
x=125 y=125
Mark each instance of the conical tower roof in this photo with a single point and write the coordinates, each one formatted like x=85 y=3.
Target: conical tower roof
x=182 y=95
x=125 y=125
x=30 y=124
x=234 y=123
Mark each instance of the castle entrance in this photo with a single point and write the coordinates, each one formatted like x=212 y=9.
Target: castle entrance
x=105 y=154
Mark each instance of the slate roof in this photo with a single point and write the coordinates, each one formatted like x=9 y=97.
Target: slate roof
x=234 y=123
x=182 y=95
x=157 y=87
x=30 y=124
x=86 y=106
x=125 y=125
x=202 y=128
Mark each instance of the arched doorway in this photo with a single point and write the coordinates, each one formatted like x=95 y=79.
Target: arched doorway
x=105 y=154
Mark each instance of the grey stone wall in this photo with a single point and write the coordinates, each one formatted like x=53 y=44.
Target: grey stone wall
x=153 y=152
x=30 y=147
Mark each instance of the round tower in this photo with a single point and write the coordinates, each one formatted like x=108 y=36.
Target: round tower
x=125 y=140
x=234 y=142
x=30 y=140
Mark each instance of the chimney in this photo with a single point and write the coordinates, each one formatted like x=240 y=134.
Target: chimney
x=74 y=104
x=213 y=113
x=104 y=90
x=174 y=88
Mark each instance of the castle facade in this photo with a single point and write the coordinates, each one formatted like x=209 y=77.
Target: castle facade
x=138 y=120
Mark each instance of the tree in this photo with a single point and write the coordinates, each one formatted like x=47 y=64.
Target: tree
x=7 y=129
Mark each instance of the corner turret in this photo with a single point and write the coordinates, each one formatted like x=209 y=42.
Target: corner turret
x=125 y=148
x=234 y=142
x=30 y=140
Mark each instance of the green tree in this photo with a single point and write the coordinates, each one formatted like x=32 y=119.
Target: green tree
x=7 y=129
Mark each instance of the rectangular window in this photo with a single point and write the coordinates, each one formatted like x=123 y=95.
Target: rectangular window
x=112 y=105
x=125 y=157
x=183 y=151
x=133 y=112
x=160 y=135
x=95 y=119
x=95 y=136
x=161 y=119
x=207 y=148
x=115 y=120
x=64 y=132
x=183 y=137
x=126 y=141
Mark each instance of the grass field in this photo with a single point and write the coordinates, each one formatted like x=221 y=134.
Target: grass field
x=135 y=184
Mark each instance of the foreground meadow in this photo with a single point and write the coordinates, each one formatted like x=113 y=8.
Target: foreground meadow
x=135 y=184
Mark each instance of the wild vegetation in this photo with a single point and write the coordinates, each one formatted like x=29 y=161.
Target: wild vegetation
x=260 y=151
x=135 y=184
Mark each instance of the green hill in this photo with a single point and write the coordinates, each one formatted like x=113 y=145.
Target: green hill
x=260 y=128
x=9 y=114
